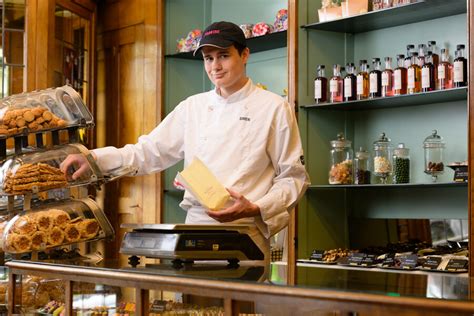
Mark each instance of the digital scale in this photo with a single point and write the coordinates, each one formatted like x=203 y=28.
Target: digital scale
x=188 y=243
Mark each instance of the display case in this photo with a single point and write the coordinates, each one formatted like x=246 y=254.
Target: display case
x=333 y=217
x=56 y=224
x=322 y=292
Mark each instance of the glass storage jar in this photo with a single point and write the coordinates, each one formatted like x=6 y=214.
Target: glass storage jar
x=433 y=146
x=382 y=158
x=361 y=167
x=401 y=164
x=341 y=161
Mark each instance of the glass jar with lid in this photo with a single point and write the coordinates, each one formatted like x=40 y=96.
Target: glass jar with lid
x=361 y=167
x=434 y=150
x=341 y=161
x=383 y=158
x=401 y=164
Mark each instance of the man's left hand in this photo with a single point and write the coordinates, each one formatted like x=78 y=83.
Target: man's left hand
x=239 y=209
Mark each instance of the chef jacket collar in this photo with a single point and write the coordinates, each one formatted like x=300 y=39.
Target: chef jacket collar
x=237 y=96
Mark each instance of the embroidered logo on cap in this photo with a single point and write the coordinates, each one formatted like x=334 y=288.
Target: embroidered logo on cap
x=210 y=32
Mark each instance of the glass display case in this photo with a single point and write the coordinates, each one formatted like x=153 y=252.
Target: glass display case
x=44 y=110
x=56 y=224
x=318 y=290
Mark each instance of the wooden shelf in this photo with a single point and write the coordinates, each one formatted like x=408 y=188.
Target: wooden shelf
x=389 y=186
x=400 y=15
x=438 y=96
x=256 y=44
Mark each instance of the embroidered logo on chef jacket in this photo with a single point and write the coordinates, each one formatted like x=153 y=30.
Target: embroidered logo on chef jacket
x=244 y=118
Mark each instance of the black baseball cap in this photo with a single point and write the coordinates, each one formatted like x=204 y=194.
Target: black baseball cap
x=222 y=35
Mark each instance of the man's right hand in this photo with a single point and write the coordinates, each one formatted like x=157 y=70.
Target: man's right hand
x=77 y=162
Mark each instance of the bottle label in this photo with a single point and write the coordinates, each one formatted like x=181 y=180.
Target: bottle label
x=347 y=87
x=360 y=85
x=333 y=86
x=385 y=79
x=425 y=78
x=373 y=83
x=317 y=89
x=441 y=73
x=411 y=78
x=398 y=80
x=458 y=71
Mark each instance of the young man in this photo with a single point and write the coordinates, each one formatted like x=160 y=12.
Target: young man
x=247 y=137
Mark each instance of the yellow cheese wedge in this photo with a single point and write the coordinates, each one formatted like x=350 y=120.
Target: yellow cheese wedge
x=205 y=187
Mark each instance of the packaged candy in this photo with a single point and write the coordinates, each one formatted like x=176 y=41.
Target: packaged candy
x=190 y=42
x=262 y=28
x=247 y=29
x=281 y=21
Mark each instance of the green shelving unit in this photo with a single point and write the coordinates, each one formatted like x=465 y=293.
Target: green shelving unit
x=326 y=213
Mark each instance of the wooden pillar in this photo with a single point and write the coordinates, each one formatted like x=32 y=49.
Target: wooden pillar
x=292 y=46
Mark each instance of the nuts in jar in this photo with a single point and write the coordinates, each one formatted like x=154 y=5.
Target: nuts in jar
x=382 y=165
x=341 y=173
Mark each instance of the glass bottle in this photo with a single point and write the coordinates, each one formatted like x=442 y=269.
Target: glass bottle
x=400 y=77
x=350 y=83
x=362 y=167
x=410 y=50
x=428 y=82
x=387 y=78
x=422 y=51
x=460 y=68
x=363 y=81
x=381 y=4
x=434 y=49
x=375 y=79
x=414 y=75
x=336 y=85
x=382 y=158
x=401 y=164
x=445 y=79
x=341 y=161
x=321 y=85
x=433 y=146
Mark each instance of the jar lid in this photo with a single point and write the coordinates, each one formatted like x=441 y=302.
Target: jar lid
x=382 y=142
x=362 y=154
x=341 y=141
x=401 y=150
x=434 y=141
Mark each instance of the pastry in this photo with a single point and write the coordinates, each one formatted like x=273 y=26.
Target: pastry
x=44 y=221
x=39 y=240
x=60 y=218
x=88 y=228
x=72 y=233
x=34 y=178
x=56 y=236
x=21 y=243
x=24 y=225
x=14 y=121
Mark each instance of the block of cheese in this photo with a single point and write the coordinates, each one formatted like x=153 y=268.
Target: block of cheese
x=205 y=187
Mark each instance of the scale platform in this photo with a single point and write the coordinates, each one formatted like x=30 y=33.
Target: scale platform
x=188 y=243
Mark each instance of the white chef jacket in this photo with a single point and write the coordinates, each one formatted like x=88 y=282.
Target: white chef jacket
x=250 y=141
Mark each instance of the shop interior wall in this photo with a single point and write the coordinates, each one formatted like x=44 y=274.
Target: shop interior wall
x=187 y=77
x=324 y=215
